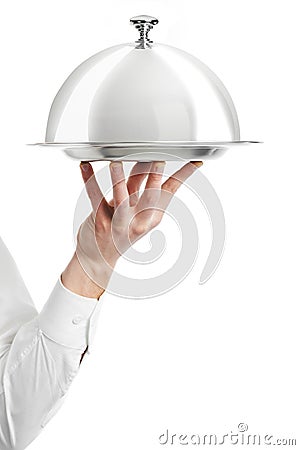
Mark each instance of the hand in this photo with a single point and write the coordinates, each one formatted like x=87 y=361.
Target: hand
x=113 y=226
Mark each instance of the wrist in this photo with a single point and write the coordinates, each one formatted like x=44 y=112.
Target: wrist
x=76 y=280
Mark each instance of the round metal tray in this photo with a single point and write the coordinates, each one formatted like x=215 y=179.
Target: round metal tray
x=145 y=151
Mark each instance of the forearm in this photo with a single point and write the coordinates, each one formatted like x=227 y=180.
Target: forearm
x=76 y=280
x=38 y=366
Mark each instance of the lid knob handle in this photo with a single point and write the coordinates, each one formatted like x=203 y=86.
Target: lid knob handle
x=144 y=24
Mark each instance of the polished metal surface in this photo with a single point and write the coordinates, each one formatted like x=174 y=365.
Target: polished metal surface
x=144 y=24
x=138 y=97
x=146 y=151
x=124 y=94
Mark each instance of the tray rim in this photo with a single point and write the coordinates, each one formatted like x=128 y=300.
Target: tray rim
x=145 y=151
x=151 y=144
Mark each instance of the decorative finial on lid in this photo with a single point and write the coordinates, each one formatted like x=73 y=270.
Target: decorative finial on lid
x=144 y=24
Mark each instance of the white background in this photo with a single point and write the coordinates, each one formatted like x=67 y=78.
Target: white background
x=200 y=359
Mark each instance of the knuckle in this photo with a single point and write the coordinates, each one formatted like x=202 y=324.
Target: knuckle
x=172 y=186
x=140 y=228
x=155 y=177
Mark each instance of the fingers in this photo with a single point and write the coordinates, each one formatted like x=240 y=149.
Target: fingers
x=120 y=191
x=172 y=184
x=152 y=192
x=92 y=188
x=137 y=175
x=155 y=175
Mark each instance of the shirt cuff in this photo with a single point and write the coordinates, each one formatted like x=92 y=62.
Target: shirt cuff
x=69 y=319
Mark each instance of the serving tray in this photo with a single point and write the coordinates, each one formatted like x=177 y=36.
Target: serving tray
x=145 y=151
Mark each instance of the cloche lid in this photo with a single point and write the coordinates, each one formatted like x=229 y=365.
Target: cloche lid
x=142 y=97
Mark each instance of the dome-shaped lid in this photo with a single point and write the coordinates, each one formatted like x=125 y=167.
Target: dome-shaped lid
x=142 y=95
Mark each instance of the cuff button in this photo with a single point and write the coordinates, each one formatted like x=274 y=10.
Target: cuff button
x=77 y=319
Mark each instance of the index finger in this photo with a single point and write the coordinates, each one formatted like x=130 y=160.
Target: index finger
x=172 y=184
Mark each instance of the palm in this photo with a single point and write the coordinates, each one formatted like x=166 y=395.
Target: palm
x=130 y=215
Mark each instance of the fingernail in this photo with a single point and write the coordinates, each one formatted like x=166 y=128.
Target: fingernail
x=115 y=166
x=84 y=166
x=198 y=163
x=158 y=165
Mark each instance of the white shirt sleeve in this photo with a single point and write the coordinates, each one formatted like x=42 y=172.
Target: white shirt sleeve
x=40 y=354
